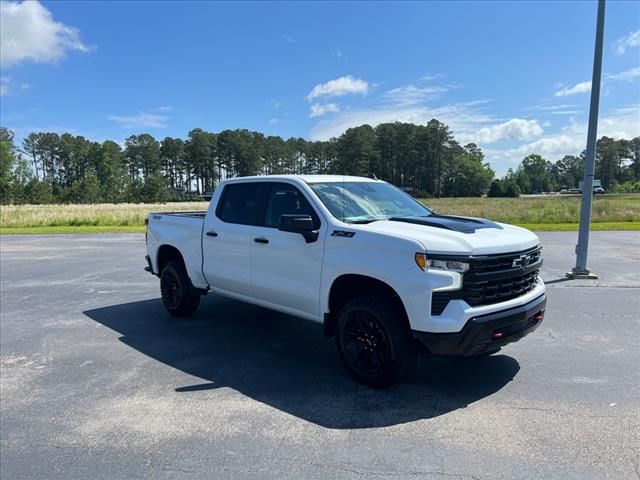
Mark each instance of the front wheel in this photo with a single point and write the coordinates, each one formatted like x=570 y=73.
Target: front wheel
x=177 y=294
x=373 y=341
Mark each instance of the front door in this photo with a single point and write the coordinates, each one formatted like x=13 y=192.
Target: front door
x=286 y=270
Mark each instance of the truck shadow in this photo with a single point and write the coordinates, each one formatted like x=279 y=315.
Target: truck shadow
x=286 y=363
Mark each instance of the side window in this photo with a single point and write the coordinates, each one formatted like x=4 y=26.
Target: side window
x=285 y=199
x=241 y=203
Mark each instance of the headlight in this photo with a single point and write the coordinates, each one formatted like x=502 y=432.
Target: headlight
x=451 y=265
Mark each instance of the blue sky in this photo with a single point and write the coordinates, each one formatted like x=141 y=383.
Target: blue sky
x=510 y=76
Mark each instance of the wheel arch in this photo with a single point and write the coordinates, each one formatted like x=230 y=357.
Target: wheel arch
x=348 y=286
x=168 y=253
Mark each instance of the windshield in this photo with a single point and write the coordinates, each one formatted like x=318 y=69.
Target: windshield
x=364 y=202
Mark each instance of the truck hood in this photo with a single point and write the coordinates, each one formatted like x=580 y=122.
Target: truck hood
x=453 y=235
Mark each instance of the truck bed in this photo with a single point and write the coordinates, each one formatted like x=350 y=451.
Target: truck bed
x=181 y=230
x=184 y=213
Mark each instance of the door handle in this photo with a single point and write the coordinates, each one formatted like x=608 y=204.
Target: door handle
x=261 y=240
x=212 y=234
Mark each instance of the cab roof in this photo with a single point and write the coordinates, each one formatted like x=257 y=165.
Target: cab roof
x=307 y=178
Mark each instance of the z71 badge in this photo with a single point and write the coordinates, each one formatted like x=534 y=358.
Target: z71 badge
x=342 y=233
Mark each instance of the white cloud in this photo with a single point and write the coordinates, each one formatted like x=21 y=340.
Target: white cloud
x=626 y=76
x=552 y=147
x=566 y=112
x=141 y=120
x=551 y=107
x=318 y=110
x=4 y=86
x=585 y=87
x=410 y=94
x=8 y=86
x=462 y=118
x=340 y=86
x=289 y=38
x=273 y=121
x=570 y=140
x=622 y=123
x=433 y=76
x=582 y=87
x=628 y=41
x=564 y=109
x=514 y=129
x=29 y=32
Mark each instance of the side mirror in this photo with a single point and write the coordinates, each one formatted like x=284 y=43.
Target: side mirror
x=302 y=224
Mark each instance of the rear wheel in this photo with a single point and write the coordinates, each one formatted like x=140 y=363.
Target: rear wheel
x=374 y=342
x=177 y=294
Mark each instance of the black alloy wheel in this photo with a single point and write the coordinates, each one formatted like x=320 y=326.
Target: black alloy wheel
x=366 y=345
x=374 y=340
x=170 y=289
x=178 y=295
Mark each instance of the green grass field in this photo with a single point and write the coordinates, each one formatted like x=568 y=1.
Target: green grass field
x=541 y=210
x=554 y=213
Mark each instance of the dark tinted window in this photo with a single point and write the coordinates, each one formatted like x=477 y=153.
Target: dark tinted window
x=242 y=203
x=286 y=199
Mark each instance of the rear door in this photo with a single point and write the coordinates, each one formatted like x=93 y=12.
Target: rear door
x=228 y=236
x=286 y=270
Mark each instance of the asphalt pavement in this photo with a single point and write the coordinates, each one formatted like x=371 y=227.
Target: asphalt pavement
x=97 y=381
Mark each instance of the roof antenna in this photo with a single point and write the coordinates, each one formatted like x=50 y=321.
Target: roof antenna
x=373 y=175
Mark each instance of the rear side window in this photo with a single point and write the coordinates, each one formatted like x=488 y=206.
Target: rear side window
x=242 y=203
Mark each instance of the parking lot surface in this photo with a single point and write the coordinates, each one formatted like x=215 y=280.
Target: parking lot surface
x=97 y=381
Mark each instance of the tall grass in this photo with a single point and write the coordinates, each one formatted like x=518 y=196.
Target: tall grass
x=103 y=214
x=525 y=210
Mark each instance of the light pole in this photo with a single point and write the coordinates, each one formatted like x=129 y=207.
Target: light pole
x=582 y=249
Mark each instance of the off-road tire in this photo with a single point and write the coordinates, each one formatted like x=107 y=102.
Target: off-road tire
x=374 y=341
x=178 y=296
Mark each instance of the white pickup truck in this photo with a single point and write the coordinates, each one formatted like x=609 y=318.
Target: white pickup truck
x=388 y=277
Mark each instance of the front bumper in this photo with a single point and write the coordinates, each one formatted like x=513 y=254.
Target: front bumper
x=486 y=333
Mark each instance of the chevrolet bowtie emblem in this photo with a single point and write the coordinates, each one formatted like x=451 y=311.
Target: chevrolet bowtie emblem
x=522 y=261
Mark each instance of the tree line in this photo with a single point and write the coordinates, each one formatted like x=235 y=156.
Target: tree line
x=424 y=159
x=617 y=167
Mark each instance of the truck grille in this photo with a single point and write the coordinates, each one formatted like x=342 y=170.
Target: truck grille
x=493 y=279
x=495 y=291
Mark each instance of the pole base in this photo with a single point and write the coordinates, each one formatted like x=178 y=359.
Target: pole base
x=581 y=275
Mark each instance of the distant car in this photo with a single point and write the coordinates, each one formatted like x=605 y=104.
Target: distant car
x=597 y=187
x=596 y=191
